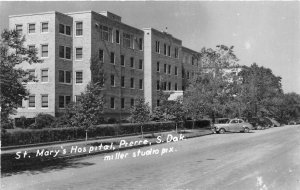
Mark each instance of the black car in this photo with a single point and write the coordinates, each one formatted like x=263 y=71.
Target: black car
x=259 y=123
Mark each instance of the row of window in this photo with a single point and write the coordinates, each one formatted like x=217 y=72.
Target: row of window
x=63 y=29
x=167 y=69
x=44 y=75
x=132 y=82
x=122 y=59
x=166 y=49
x=106 y=34
x=112 y=103
x=32 y=101
x=165 y=85
x=31 y=28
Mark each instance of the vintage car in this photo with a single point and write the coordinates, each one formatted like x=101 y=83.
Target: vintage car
x=233 y=125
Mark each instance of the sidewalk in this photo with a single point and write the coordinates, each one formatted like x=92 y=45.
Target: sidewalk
x=189 y=133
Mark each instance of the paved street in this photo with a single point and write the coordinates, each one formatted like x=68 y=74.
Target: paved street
x=267 y=159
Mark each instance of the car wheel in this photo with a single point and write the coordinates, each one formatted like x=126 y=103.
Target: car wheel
x=222 y=131
x=246 y=130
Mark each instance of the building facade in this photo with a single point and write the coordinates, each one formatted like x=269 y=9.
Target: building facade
x=136 y=63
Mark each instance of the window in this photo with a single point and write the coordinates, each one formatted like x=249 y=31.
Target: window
x=32 y=75
x=157 y=102
x=188 y=75
x=157 y=85
x=68 y=76
x=127 y=40
x=117 y=36
x=176 y=52
x=140 y=43
x=112 y=57
x=165 y=49
x=140 y=64
x=64 y=76
x=131 y=62
x=64 y=52
x=68 y=53
x=19 y=28
x=44 y=27
x=31 y=101
x=175 y=86
x=193 y=59
x=131 y=82
x=61 y=76
x=112 y=103
x=31 y=28
x=79 y=29
x=61 y=51
x=61 y=101
x=68 y=30
x=169 y=69
x=169 y=51
x=44 y=101
x=141 y=84
x=176 y=71
x=131 y=102
x=106 y=33
x=77 y=98
x=122 y=103
x=44 y=50
x=164 y=85
x=68 y=99
x=169 y=86
x=78 y=53
x=61 y=28
x=122 y=60
x=122 y=81
x=165 y=68
x=157 y=66
x=44 y=75
x=101 y=55
x=157 y=47
x=31 y=47
x=79 y=76
x=112 y=80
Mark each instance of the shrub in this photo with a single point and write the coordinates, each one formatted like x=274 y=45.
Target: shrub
x=8 y=124
x=43 y=121
x=111 y=121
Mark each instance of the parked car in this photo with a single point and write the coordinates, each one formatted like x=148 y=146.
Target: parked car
x=274 y=123
x=233 y=125
x=221 y=120
x=259 y=123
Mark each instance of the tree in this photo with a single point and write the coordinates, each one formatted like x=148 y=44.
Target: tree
x=289 y=108
x=88 y=110
x=262 y=92
x=213 y=87
x=140 y=113
x=13 y=79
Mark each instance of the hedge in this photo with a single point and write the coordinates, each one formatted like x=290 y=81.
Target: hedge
x=33 y=136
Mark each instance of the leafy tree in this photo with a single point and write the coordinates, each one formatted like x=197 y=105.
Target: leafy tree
x=289 y=108
x=140 y=113
x=262 y=92
x=88 y=110
x=13 y=78
x=212 y=89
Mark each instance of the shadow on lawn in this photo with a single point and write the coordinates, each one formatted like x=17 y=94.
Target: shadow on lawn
x=11 y=166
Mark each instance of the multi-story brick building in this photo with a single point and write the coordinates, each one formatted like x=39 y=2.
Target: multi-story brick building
x=136 y=62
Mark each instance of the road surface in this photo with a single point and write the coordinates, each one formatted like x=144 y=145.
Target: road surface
x=267 y=159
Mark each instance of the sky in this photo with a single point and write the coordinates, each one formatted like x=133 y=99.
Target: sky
x=267 y=33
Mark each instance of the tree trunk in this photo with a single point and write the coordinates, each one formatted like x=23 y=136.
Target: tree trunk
x=142 y=131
